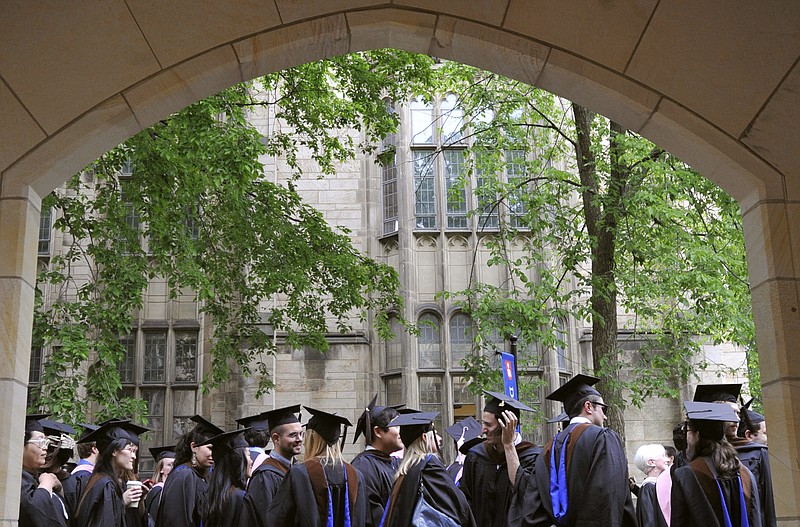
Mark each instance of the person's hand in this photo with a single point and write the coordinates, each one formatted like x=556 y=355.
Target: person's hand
x=48 y=481
x=131 y=495
x=508 y=424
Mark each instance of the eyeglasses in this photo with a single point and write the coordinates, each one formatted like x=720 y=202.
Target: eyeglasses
x=604 y=406
x=42 y=442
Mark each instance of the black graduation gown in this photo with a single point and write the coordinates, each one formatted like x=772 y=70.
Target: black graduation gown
x=377 y=469
x=72 y=488
x=696 y=500
x=438 y=489
x=231 y=510
x=153 y=498
x=597 y=481
x=454 y=468
x=296 y=504
x=101 y=505
x=262 y=488
x=37 y=508
x=486 y=485
x=648 y=514
x=755 y=457
x=181 y=498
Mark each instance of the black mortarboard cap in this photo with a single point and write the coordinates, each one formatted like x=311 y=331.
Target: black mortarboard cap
x=113 y=430
x=467 y=446
x=205 y=427
x=56 y=428
x=413 y=425
x=574 y=390
x=87 y=429
x=162 y=452
x=709 y=393
x=468 y=428
x=327 y=425
x=282 y=416
x=560 y=418
x=499 y=402
x=703 y=411
x=256 y=422
x=33 y=424
x=365 y=421
x=227 y=441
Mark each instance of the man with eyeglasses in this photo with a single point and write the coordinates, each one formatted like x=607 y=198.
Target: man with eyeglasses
x=286 y=434
x=581 y=478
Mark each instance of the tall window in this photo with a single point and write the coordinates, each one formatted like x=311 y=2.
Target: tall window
x=160 y=366
x=424 y=189
x=394 y=348
x=429 y=342
x=489 y=210
x=421 y=122
x=389 y=180
x=561 y=345
x=45 y=232
x=516 y=173
x=452 y=120
x=460 y=337
x=456 y=191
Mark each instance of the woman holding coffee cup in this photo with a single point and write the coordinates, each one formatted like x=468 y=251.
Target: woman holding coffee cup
x=109 y=492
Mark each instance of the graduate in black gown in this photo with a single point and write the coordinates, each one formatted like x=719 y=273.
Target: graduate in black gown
x=493 y=467
x=421 y=466
x=226 y=484
x=87 y=452
x=582 y=475
x=257 y=437
x=462 y=432
x=376 y=464
x=164 y=456
x=751 y=446
x=105 y=500
x=286 y=434
x=38 y=506
x=185 y=488
x=324 y=490
x=714 y=489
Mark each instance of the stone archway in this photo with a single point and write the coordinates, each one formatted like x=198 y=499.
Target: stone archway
x=716 y=86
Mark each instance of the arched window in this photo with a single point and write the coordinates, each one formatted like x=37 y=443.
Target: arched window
x=460 y=338
x=429 y=342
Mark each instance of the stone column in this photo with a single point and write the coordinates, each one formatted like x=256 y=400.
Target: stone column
x=19 y=229
x=772 y=236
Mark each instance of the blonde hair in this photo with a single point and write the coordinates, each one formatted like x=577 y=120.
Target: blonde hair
x=158 y=477
x=317 y=447
x=416 y=452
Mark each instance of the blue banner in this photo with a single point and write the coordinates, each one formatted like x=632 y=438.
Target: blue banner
x=509 y=372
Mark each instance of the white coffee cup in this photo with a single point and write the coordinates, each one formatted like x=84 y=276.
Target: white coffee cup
x=133 y=484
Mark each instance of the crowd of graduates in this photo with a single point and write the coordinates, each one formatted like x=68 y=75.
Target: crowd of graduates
x=717 y=475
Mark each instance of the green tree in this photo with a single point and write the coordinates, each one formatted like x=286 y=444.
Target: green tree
x=199 y=213
x=612 y=223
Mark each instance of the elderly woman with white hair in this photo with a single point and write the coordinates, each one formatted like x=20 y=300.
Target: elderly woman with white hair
x=652 y=460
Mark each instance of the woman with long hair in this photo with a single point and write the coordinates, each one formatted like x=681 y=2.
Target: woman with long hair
x=164 y=457
x=714 y=489
x=324 y=490
x=106 y=497
x=38 y=506
x=184 y=491
x=422 y=476
x=228 y=480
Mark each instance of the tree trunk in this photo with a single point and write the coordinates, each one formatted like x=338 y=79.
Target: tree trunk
x=602 y=208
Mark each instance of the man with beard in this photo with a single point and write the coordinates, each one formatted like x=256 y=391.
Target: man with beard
x=492 y=467
x=286 y=434
x=376 y=464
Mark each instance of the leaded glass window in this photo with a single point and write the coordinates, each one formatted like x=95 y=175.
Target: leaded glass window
x=155 y=356
x=456 y=191
x=185 y=356
x=424 y=190
x=429 y=342
x=460 y=338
